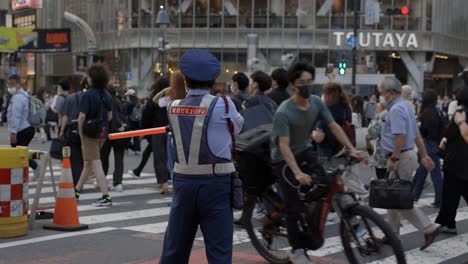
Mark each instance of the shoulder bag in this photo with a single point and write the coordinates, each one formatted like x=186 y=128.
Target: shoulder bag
x=394 y=193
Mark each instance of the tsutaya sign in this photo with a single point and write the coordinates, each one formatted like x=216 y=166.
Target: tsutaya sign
x=379 y=40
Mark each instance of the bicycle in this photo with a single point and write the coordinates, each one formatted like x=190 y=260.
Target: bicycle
x=361 y=229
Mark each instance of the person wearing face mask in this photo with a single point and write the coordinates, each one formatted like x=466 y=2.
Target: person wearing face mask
x=399 y=137
x=21 y=131
x=293 y=124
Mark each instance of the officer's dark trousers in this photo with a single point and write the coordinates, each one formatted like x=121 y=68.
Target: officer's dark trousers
x=204 y=202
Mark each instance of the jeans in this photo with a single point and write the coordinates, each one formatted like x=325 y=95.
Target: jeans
x=23 y=138
x=296 y=238
x=436 y=175
x=119 y=152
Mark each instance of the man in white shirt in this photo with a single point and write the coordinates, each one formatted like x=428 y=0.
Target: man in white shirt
x=21 y=131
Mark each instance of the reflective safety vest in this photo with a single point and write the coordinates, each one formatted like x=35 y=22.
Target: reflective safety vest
x=189 y=120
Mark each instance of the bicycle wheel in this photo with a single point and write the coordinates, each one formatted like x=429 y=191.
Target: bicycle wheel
x=365 y=245
x=270 y=241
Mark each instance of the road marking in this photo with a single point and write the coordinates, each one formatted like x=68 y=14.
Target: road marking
x=438 y=252
x=54 y=237
x=144 y=176
x=124 y=216
x=157 y=228
x=92 y=186
x=333 y=244
x=96 y=195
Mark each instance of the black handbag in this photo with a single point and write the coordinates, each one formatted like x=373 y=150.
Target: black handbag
x=392 y=193
x=94 y=128
x=71 y=134
x=56 y=148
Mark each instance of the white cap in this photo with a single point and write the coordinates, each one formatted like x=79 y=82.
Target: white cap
x=130 y=92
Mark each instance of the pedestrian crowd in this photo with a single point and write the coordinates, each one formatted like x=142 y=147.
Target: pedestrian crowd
x=393 y=125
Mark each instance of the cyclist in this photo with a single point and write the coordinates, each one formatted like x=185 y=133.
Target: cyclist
x=293 y=124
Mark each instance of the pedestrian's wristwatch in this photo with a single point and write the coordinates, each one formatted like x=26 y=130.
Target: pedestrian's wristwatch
x=394 y=159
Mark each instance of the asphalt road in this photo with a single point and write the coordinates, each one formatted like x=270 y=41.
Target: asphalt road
x=132 y=230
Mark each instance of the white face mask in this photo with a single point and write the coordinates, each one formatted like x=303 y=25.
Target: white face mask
x=11 y=90
x=382 y=100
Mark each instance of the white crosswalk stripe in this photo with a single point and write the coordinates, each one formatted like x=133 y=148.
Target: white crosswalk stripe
x=153 y=211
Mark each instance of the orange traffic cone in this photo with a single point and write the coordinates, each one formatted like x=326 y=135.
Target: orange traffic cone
x=66 y=211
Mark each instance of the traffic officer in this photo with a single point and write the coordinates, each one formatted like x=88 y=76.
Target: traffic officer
x=203 y=167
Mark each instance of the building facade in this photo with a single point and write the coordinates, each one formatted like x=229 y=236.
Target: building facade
x=422 y=42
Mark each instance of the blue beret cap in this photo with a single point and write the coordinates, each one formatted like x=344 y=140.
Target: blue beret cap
x=200 y=65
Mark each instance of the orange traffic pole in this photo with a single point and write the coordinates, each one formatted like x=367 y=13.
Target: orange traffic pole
x=139 y=133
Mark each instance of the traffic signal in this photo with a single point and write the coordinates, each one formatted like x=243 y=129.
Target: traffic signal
x=404 y=10
x=342 y=68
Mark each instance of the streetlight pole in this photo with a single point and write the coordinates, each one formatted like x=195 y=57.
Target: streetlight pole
x=163 y=22
x=355 y=44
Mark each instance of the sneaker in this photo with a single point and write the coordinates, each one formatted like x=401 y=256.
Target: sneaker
x=133 y=173
x=332 y=216
x=77 y=194
x=448 y=230
x=106 y=200
x=359 y=230
x=430 y=237
x=118 y=188
x=299 y=256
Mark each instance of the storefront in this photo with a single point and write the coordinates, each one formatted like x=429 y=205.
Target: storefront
x=25 y=63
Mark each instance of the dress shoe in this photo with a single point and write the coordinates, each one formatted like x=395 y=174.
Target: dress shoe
x=164 y=189
x=429 y=238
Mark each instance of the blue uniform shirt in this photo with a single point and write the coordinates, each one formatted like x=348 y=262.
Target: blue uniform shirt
x=220 y=143
x=400 y=120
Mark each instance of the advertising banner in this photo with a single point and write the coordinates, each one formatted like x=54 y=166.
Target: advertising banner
x=23 y=4
x=48 y=41
x=12 y=38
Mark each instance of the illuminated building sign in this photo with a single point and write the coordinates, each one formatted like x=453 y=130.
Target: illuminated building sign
x=379 y=40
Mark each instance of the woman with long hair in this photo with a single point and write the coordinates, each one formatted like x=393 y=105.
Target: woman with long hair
x=358 y=116
x=340 y=107
x=95 y=107
x=149 y=121
x=431 y=130
x=175 y=91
